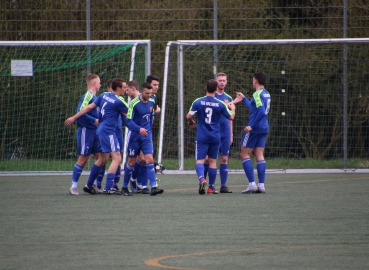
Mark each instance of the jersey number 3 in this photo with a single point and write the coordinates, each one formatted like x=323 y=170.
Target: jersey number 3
x=209 y=113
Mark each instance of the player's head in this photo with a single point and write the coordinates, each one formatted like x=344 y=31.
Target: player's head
x=211 y=86
x=222 y=80
x=259 y=79
x=132 y=89
x=108 y=85
x=154 y=81
x=93 y=82
x=146 y=91
x=119 y=86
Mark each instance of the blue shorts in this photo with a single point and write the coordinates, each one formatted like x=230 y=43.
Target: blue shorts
x=136 y=143
x=210 y=149
x=109 y=142
x=119 y=134
x=225 y=145
x=251 y=140
x=87 y=141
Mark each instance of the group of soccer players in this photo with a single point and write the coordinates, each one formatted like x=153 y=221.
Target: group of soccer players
x=99 y=132
x=215 y=113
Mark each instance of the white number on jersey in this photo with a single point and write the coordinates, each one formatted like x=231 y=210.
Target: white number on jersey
x=102 y=111
x=209 y=113
x=268 y=107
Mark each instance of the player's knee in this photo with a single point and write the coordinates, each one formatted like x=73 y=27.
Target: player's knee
x=224 y=159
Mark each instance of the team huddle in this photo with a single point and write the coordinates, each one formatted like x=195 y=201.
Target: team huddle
x=99 y=132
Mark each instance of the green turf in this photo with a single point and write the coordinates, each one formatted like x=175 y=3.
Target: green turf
x=172 y=164
x=304 y=221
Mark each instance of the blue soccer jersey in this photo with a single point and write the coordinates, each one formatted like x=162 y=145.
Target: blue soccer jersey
x=259 y=109
x=225 y=128
x=141 y=113
x=111 y=106
x=87 y=120
x=209 y=110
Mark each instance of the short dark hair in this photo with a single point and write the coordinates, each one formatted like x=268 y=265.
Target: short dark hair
x=260 y=77
x=109 y=82
x=146 y=85
x=134 y=84
x=151 y=78
x=118 y=82
x=211 y=86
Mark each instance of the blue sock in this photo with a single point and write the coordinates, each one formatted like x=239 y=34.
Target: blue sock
x=206 y=169
x=200 y=171
x=127 y=175
x=212 y=176
x=117 y=177
x=249 y=169
x=261 y=168
x=151 y=174
x=109 y=180
x=223 y=171
x=142 y=178
x=136 y=170
x=100 y=177
x=77 y=170
x=95 y=170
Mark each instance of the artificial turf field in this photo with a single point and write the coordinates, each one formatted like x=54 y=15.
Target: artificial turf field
x=304 y=221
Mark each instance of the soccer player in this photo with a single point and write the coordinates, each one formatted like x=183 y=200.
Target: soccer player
x=111 y=106
x=141 y=112
x=209 y=111
x=139 y=179
x=119 y=134
x=226 y=137
x=87 y=140
x=255 y=133
x=139 y=171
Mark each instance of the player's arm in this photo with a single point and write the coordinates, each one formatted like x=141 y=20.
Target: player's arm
x=190 y=121
x=85 y=110
x=131 y=125
x=229 y=113
x=261 y=111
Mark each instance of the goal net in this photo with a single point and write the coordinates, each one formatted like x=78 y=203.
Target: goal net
x=41 y=84
x=319 y=89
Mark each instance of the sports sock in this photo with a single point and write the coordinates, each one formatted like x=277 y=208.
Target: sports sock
x=206 y=169
x=151 y=175
x=249 y=169
x=212 y=176
x=127 y=175
x=95 y=170
x=77 y=170
x=142 y=174
x=109 y=180
x=223 y=172
x=200 y=171
x=136 y=170
x=261 y=168
x=100 y=177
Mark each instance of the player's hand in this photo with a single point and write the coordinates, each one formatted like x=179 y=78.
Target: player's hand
x=232 y=106
x=143 y=132
x=69 y=121
x=96 y=122
x=157 y=111
x=191 y=123
x=239 y=98
x=247 y=129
